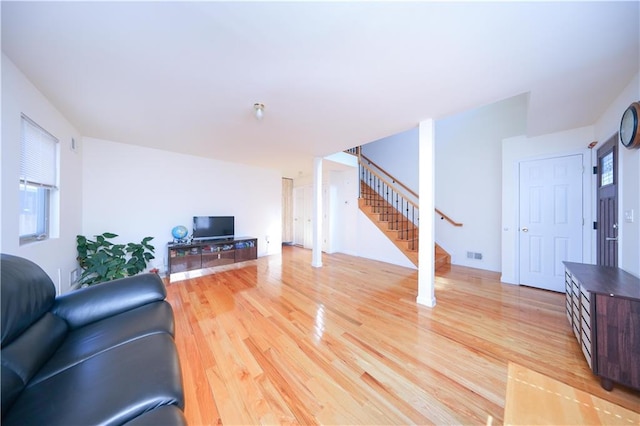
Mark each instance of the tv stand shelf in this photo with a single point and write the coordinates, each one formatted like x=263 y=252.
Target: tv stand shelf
x=183 y=257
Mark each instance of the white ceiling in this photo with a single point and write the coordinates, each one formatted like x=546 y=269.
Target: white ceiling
x=183 y=76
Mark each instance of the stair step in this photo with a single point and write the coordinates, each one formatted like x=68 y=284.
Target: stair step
x=390 y=216
x=401 y=226
x=442 y=259
x=402 y=235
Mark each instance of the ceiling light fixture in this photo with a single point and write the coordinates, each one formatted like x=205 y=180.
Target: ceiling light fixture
x=259 y=110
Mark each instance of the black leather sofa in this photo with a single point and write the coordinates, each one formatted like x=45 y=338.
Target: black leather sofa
x=104 y=354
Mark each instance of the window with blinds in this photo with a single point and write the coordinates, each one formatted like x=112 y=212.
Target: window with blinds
x=38 y=179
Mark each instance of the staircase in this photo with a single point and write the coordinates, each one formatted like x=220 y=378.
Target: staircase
x=442 y=259
x=402 y=232
x=394 y=214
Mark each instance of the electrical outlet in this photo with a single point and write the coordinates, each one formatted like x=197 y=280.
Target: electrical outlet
x=628 y=216
x=73 y=276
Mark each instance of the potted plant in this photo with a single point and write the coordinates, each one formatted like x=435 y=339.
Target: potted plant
x=102 y=260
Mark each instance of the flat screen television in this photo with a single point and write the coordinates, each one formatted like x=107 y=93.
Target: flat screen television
x=213 y=227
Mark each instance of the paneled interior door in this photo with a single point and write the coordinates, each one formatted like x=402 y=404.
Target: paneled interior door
x=550 y=219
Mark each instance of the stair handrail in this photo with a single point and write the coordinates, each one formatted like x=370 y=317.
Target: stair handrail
x=397 y=182
x=392 y=185
x=447 y=218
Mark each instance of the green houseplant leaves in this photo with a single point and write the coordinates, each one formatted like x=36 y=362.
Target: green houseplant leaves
x=102 y=260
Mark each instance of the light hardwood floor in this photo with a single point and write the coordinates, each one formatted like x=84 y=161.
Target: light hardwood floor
x=277 y=341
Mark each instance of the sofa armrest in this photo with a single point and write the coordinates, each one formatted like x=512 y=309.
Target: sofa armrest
x=90 y=304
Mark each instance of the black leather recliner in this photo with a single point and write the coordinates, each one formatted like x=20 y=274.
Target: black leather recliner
x=104 y=354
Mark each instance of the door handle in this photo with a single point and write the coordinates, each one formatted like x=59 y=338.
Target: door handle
x=610 y=239
x=525 y=229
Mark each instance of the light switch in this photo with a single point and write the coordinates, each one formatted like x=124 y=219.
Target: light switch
x=628 y=216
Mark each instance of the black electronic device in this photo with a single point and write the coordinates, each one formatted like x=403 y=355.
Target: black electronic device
x=213 y=227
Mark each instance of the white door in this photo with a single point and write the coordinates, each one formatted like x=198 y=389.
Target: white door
x=298 y=216
x=550 y=219
x=308 y=217
x=302 y=216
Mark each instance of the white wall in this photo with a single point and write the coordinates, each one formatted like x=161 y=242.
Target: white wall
x=335 y=217
x=520 y=148
x=629 y=178
x=371 y=243
x=345 y=211
x=56 y=255
x=136 y=192
x=398 y=155
x=468 y=179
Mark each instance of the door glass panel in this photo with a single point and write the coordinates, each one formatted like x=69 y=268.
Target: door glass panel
x=607 y=170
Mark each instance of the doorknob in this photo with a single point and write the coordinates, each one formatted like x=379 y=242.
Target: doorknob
x=525 y=229
x=610 y=239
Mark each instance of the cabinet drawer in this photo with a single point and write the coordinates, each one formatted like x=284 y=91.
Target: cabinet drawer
x=209 y=260
x=184 y=263
x=586 y=315
x=575 y=296
x=246 y=254
x=585 y=302
x=576 y=329
x=586 y=332
x=585 y=294
x=587 y=353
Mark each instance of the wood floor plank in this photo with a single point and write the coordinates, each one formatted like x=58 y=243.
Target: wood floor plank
x=200 y=404
x=276 y=341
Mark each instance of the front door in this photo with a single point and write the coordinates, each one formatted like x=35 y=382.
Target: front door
x=550 y=219
x=607 y=227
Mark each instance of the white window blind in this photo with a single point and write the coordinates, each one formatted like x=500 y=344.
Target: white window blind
x=38 y=151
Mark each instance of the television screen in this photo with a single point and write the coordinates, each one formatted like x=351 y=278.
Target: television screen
x=213 y=227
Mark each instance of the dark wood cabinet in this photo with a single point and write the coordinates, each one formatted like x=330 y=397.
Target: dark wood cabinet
x=246 y=249
x=618 y=331
x=209 y=254
x=184 y=259
x=603 y=307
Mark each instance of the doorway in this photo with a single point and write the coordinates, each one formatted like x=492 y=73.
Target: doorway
x=607 y=199
x=550 y=219
x=302 y=211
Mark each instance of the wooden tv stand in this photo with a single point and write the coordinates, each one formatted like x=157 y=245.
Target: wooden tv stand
x=183 y=257
x=603 y=307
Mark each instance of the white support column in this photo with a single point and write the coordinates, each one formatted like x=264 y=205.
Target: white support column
x=426 y=243
x=316 y=252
